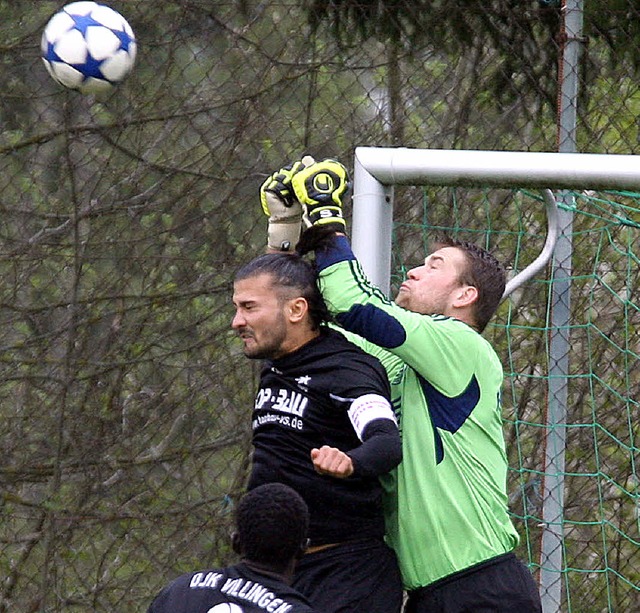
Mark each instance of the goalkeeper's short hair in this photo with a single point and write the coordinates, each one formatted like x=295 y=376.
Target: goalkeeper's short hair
x=292 y=276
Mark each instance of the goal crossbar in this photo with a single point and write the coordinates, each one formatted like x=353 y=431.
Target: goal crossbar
x=378 y=169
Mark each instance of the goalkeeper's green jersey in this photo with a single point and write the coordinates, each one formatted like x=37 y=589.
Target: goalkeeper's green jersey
x=446 y=503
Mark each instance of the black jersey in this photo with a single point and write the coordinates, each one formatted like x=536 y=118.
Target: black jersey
x=303 y=403
x=239 y=587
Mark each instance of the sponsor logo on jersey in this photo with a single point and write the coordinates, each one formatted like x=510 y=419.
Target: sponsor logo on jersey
x=280 y=406
x=283 y=400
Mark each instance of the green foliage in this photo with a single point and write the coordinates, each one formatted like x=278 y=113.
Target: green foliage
x=521 y=34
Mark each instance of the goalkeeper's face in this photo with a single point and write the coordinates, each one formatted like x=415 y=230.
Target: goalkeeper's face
x=261 y=318
x=435 y=287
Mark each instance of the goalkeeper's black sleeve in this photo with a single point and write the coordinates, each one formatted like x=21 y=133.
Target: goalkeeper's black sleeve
x=317 y=238
x=381 y=449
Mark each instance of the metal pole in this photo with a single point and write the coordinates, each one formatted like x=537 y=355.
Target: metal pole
x=372 y=225
x=517 y=169
x=549 y=245
x=551 y=554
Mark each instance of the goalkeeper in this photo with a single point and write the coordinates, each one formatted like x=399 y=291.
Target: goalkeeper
x=446 y=503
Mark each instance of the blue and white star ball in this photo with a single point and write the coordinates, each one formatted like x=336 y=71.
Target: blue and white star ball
x=88 y=47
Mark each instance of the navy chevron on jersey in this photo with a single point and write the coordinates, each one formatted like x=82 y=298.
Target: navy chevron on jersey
x=328 y=392
x=240 y=588
x=446 y=504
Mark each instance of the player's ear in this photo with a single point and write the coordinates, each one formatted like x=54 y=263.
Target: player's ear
x=297 y=308
x=303 y=548
x=465 y=296
x=236 y=543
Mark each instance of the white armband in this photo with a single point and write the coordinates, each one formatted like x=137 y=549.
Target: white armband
x=366 y=408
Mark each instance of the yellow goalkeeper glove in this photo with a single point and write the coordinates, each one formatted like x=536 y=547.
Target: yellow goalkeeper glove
x=321 y=189
x=280 y=205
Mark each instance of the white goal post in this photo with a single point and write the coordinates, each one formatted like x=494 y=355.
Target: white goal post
x=378 y=170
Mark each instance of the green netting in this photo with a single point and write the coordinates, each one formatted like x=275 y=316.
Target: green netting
x=600 y=483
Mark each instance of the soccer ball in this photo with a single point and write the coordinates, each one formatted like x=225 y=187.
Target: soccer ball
x=88 y=47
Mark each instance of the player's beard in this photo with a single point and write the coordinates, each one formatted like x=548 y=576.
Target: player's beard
x=268 y=343
x=431 y=303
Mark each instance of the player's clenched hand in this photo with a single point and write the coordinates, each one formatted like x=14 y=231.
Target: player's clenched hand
x=279 y=184
x=331 y=461
x=322 y=189
x=281 y=206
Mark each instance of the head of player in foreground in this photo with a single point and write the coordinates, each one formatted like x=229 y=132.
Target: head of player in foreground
x=272 y=521
x=278 y=305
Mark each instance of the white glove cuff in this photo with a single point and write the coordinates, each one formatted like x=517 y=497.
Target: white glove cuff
x=283 y=235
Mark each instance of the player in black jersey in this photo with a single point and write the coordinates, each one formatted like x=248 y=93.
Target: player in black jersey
x=272 y=523
x=322 y=424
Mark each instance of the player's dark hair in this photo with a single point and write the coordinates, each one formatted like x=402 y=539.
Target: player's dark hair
x=272 y=522
x=292 y=276
x=485 y=273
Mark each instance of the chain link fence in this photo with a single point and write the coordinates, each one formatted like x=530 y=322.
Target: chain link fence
x=124 y=396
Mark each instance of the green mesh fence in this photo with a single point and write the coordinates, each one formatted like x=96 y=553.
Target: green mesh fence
x=600 y=522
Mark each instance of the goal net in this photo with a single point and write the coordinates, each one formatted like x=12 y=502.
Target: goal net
x=567 y=226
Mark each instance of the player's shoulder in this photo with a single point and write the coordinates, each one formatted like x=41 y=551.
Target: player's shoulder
x=335 y=340
x=178 y=589
x=456 y=337
x=446 y=321
x=203 y=577
x=342 y=348
x=453 y=329
x=331 y=335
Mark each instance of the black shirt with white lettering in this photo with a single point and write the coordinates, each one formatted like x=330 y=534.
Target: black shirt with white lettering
x=237 y=589
x=303 y=403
